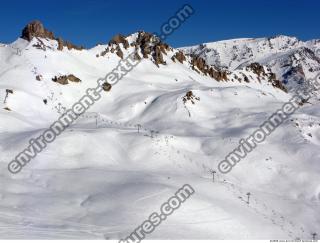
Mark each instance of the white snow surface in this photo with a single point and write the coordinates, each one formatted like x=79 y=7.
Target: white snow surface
x=101 y=178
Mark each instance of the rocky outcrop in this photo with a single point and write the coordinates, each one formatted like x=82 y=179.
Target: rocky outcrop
x=106 y=86
x=179 y=56
x=256 y=68
x=65 y=79
x=191 y=97
x=36 y=29
x=199 y=64
x=136 y=56
x=117 y=39
x=147 y=44
x=119 y=52
x=150 y=45
x=259 y=70
x=39 y=77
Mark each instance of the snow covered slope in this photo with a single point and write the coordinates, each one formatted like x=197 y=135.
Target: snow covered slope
x=165 y=124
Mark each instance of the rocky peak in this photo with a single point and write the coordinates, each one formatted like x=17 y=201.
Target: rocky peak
x=144 y=43
x=150 y=44
x=36 y=29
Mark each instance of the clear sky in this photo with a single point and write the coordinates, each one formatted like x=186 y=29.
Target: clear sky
x=88 y=22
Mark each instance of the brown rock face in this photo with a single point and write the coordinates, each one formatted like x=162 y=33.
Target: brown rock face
x=36 y=29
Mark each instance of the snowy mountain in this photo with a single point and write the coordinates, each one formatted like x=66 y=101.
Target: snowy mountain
x=292 y=60
x=167 y=123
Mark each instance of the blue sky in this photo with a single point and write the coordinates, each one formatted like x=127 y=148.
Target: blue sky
x=88 y=22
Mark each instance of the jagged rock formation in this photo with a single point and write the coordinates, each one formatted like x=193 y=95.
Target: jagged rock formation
x=151 y=45
x=145 y=43
x=36 y=29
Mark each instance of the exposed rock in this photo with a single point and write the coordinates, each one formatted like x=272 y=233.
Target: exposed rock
x=103 y=53
x=119 y=52
x=179 y=56
x=36 y=29
x=117 y=39
x=39 y=77
x=218 y=74
x=40 y=45
x=106 y=86
x=60 y=44
x=158 y=57
x=146 y=43
x=278 y=84
x=61 y=80
x=191 y=97
x=245 y=78
x=213 y=72
x=71 y=46
x=257 y=68
x=73 y=78
x=65 y=79
x=136 y=56
x=149 y=44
